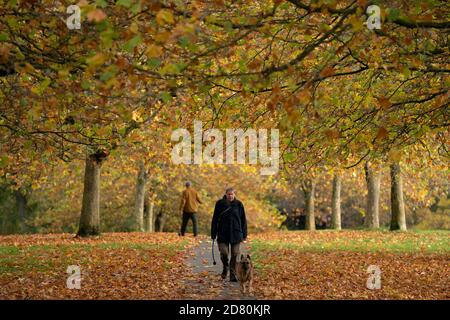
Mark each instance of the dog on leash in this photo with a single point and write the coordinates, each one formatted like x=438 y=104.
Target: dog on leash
x=244 y=273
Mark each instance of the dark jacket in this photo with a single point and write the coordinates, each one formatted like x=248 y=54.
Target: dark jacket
x=229 y=223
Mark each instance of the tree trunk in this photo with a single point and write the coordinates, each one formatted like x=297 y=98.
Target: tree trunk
x=21 y=206
x=160 y=221
x=90 y=211
x=148 y=215
x=373 y=179
x=308 y=189
x=336 y=203
x=398 y=217
x=139 y=199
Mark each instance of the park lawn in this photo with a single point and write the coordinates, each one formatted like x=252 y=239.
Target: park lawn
x=289 y=265
x=113 y=266
x=333 y=264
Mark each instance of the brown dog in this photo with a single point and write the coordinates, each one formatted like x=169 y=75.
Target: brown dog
x=244 y=273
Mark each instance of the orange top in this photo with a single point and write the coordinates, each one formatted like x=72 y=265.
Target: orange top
x=190 y=200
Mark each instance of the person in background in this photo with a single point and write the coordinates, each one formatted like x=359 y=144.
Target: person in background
x=188 y=207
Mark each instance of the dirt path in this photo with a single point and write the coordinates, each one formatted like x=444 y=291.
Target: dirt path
x=205 y=281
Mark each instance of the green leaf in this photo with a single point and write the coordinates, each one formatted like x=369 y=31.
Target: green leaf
x=406 y=72
x=3 y=161
x=166 y=97
x=289 y=157
x=170 y=68
x=107 y=37
x=4 y=37
x=394 y=13
x=101 y=3
x=154 y=63
x=180 y=66
x=107 y=75
x=85 y=85
x=228 y=26
x=184 y=42
x=42 y=86
x=129 y=46
x=136 y=8
x=124 y=3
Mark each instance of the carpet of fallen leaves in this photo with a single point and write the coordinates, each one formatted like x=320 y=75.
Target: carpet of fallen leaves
x=113 y=266
x=289 y=265
x=333 y=265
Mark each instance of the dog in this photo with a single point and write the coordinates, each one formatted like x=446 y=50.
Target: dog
x=244 y=273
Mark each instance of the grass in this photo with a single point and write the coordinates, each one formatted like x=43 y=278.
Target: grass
x=359 y=241
x=365 y=241
x=45 y=257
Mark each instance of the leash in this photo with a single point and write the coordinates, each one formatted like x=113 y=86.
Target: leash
x=212 y=248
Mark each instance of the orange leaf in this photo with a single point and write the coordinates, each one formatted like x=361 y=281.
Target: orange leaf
x=384 y=102
x=382 y=133
x=96 y=15
x=327 y=72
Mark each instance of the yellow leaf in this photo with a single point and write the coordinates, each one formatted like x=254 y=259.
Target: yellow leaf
x=96 y=60
x=162 y=36
x=165 y=16
x=395 y=155
x=153 y=51
x=136 y=116
x=356 y=23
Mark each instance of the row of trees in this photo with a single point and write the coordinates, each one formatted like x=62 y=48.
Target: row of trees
x=371 y=220
x=53 y=204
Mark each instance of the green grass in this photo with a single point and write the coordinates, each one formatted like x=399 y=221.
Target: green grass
x=40 y=258
x=143 y=246
x=364 y=241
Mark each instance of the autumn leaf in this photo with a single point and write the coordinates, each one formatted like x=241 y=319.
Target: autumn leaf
x=327 y=72
x=382 y=133
x=362 y=3
x=96 y=15
x=154 y=51
x=332 y=134
x=356 y=23
x=384 y=103
x=165 y=16
x=96 y=60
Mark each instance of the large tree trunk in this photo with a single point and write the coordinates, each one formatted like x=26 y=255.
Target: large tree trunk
x=373 y=179
x=139 y=199
x=148 y=215
x=21 y=206
x=336 y=203
x=308 y=189
x=90 y=211
x=398 y=217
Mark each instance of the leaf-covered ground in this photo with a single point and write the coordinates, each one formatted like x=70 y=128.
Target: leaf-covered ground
x=289 y=265
x=333 y=265
x=113 y=266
